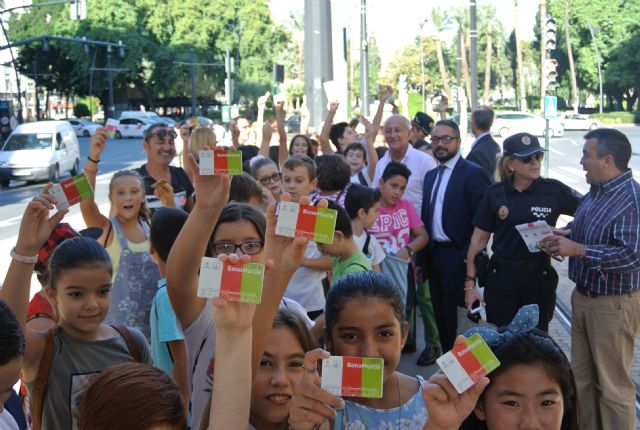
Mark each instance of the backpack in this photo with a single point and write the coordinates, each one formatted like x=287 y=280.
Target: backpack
x=42 y=379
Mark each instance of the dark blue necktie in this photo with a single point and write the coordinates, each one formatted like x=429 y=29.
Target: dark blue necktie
x=434 y=193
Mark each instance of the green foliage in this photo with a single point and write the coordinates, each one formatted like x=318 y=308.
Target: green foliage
x=617 y=117
x=375 y=66
x=408 y=62
x=81 y=110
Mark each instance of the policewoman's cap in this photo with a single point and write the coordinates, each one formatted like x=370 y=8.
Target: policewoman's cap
x=424 y=121
x=521 y=145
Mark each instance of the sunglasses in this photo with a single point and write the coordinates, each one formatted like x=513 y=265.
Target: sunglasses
x=273 y=178
x=538 y=157
x=247 y=248
x=445 y=140
x=163 y=133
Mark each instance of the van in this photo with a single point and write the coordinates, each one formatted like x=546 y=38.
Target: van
x=148 y=116
x=39 y=151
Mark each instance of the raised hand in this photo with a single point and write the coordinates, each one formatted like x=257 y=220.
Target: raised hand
x=443 y=105
x=385 y=93
x=333 y=105
x=98 y=143
x=311 y=406
x=262 y=100
x=447 y=409
x=267 y=131
x=36 y=225
x=212 y=192
x=164 y=191
x=233 y=316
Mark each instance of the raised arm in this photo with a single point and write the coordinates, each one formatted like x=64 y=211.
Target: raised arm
x=283 y=151
x=90 y=211
x=325 y=142
x=372 y=155
x=191 y=244
x=266 y=133
x=185 y=133
x=262 y=104
x=305 y=117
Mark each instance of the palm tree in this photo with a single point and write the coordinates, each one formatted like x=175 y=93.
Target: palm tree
x=543 y=51
x=487 y=18
x=462 y=17
x=572 y=68
x=441 y=21
x=521 y=82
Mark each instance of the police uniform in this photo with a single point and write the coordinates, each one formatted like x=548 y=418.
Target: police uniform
x=518 y=277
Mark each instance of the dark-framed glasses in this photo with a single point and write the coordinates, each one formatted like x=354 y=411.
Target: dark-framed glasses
x=247 y=248
x=273 y=178
x=445 y=140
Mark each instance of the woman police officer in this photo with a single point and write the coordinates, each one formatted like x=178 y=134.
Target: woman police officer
x=516 y=276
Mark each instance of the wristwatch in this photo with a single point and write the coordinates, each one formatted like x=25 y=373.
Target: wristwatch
x=409 y=250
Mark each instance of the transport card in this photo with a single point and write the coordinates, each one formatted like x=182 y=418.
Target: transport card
x=239 y=282
x=353 y=376
x=468 y=362
x=534 y=232
x=193 y=121
x=71 y=191
x=312 y=222
x=112 y=126
x=220 y=162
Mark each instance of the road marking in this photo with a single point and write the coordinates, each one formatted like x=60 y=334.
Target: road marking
x=10 y=221
x=555 y=151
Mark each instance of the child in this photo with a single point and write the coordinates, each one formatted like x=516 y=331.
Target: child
x=397 y=220
x=334 y=176
x=245 y=189
x=356 y=157
x=305 y=286
x=265 y=171
x=125 y=237
x=362 y=204
x=11 y=356
x=80 y=276
x=347 y=256
x=533 y=387
x=364 y=318
x=168 y=348
x=301 y=145
x=132 y=395
x=216 y=230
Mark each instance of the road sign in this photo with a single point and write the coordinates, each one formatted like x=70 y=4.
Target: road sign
x=550 y=106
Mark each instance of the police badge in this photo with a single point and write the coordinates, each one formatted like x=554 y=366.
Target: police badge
x=503 y=212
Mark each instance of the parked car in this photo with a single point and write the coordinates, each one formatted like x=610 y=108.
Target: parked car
x=39 y=151
x=572 y=121
x=149 y=116
x=83 y=127
x=508 y=123
x=133 y=127
x=169 y=121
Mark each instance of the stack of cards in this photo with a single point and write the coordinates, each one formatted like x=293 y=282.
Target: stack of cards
x=71 y=191
x=240 y=282
x=468 y=362
x=312 y=222
x=112 y=126
x=353 y=376
x=220 y=162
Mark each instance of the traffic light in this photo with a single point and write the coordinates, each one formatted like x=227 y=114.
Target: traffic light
x=550 y=66
x=278 y=73
x=550 y=33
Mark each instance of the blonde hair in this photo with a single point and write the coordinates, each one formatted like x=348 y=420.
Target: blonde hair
x=199 y=138
x=502 y=170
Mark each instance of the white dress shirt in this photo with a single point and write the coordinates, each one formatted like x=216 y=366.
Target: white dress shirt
x=437 y=231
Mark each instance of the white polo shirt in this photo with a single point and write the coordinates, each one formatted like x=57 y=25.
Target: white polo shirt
x=419 y=163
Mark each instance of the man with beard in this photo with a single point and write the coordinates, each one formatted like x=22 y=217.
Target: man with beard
x=160 y=146
x=451 y=195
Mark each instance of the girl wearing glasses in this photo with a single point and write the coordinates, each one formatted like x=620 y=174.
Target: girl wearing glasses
x=265 y=171
x=517 y=275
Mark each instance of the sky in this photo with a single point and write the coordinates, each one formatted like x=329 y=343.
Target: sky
x=396 y=23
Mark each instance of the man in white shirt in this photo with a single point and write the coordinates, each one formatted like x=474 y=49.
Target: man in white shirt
x=397 y=130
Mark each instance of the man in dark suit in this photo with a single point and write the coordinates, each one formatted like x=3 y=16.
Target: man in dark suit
x=451 y=196
x=484 y=151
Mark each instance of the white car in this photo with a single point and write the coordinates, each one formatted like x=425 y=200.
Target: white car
x=572 y=121
x=83 y=127
x=509 y=123
x=132 y=127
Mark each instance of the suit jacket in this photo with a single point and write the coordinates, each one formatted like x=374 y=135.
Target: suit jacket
x=485 y=153
x=466 y=188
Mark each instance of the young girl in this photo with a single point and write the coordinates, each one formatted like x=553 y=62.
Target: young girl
x=265 y=171
x=80 y=277
x=334 y=178
x=301 y=145
x=533 y=387
x=215 y=230
x=126 y=239
x=364 y=318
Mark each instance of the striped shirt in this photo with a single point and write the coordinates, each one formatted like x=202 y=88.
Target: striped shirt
x=607 y=221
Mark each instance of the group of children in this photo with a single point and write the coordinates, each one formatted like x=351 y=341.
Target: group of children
x=229 y=365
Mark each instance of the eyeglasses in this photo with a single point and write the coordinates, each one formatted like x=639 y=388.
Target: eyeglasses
x=445 y=140
x=538 y=157
x=247 y=248
x=273 y=178
x=163 y=133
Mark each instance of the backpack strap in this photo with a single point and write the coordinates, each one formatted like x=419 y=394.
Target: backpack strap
x=365 y=248
x=362 y=179
x=132 y=345
x=39 y=386
x=122 y=239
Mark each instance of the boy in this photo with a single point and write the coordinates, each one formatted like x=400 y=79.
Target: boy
x=347 y=257
x=11 y=353
x=168 y=347
x=245 y=189
x=362 y=204
x=305 y=286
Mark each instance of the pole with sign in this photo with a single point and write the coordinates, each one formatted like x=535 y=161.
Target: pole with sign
x=550 y=111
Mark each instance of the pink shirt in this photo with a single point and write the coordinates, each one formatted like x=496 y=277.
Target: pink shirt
x=393 y=226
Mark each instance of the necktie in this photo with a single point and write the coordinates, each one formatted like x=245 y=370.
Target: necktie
x=434 y=192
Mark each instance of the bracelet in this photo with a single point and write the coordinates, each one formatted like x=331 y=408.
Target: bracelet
x=468 y=288
x=23 y=258
x=91 y=159
x=469 y=278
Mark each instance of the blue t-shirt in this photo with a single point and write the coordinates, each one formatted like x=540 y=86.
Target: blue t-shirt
x=164 y=329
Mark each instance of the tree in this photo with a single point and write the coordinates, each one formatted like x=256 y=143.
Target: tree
x=441 y=22
x=572 y=68
x=521 y=82
x=375 y=67
x=407 y=62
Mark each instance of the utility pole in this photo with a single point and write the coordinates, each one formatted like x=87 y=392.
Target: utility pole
x=473 y=53
x=594 y=32
x=111 y=111
x=543 y=51
x=424 y=106
x=34 y=75
x=459 y=69
x=228 y=83
x=364 y=59
x=193 y=64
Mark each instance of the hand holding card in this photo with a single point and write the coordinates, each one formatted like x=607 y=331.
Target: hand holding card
x=232 y=281
x=313 y=222
x=112 y=127
x=353 y=376
x=220 y=162
x=71 y=191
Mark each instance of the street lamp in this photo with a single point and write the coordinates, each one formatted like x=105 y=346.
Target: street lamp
x=422 y=24
x=594 y=32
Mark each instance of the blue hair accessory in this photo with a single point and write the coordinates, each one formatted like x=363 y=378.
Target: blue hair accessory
x=525 y=320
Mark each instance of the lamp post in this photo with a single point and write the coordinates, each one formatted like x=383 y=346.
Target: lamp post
x=594 y=32
x=364 y=59
x=422 y=63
